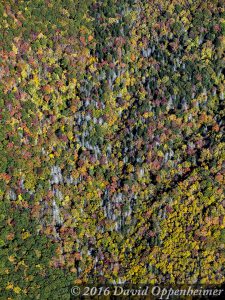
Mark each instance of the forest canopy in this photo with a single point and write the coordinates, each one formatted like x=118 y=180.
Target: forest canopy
x=112 y=150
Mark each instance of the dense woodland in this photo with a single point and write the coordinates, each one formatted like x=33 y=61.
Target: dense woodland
x=112 y=149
